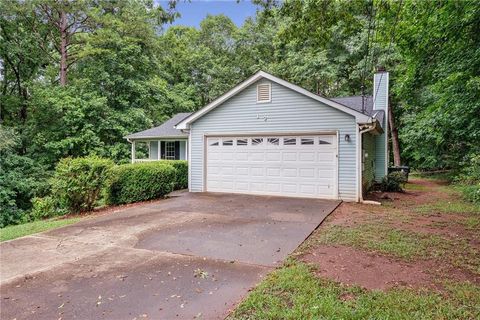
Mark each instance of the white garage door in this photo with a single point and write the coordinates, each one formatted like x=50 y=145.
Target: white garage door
x=299 y=166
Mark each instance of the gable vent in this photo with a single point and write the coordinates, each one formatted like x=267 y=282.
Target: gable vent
x=264 y=92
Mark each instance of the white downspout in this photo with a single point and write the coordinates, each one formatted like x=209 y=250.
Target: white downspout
x=359 y=161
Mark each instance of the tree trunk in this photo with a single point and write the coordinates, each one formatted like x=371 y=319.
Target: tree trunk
x=397 y=161
x=63 y=48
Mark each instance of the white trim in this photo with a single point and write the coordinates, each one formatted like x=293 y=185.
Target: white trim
x=133 y=151
x=184 y=124
x=189 y=156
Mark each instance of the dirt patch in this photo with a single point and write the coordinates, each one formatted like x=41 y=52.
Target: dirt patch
x=373 y=271
x=399 y=211
x=355 y=267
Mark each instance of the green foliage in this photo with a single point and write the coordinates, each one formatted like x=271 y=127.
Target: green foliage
x=139 y=182
x=393 y=182
x=46 y=207
x=21 y=178
x=182 y=173
x=77 y=182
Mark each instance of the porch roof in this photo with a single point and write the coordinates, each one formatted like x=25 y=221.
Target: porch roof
x=165 y=130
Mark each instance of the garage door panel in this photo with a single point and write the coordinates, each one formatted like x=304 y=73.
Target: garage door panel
x=242 y=171
x=273 y=172
x=289 y=156
x=241 y=156
x=303 y=166
x=256 y=171
x=306 y=156
x=306 y=173
x=256 y=156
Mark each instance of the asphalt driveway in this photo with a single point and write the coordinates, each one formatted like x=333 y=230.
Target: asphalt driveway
x=193 y=256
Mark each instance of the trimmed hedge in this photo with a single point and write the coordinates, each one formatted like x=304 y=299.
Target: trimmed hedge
x=139 y=182
x=77 y=183
x=181 y=181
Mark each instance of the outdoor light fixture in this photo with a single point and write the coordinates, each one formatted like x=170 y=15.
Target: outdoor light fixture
x=347 y=137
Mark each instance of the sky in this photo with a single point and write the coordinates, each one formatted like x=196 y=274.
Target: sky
x=196 y=10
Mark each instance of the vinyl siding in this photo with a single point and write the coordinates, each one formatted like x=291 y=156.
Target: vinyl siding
x=288 y=112
x=153 y=150
x=381 y=142
x=368 y=155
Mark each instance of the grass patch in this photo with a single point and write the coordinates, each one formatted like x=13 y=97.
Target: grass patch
x=294 y=292
x=471 y=223
x=12 y=232
x=454 y=206
x=415 y=187
x=403 y=244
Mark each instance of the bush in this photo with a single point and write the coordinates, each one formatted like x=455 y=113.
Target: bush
x=393 y=182
x=77 y=182
x=181 y=166
x=468 y=181
x=45 y=207
x=139 y=182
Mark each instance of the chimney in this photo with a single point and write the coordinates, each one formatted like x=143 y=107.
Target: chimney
x=380 y=90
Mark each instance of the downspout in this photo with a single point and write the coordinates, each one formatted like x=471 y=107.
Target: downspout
x=359 y=161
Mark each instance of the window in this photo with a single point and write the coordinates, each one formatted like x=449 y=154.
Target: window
x=214 y=142
x=320 y=141
x=170 y=150
x=264 y=92
x=273 y=141
x=305 y=141
x=227 y=142
x=257 y=141
x=289 y=141
x=242 y=142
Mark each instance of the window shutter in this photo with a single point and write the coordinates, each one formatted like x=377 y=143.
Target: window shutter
x=264 y=92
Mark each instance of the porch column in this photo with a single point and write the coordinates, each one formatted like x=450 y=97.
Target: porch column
x=133 y=151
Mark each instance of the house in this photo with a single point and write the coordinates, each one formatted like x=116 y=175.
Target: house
x=163 y=142
x=268 y=136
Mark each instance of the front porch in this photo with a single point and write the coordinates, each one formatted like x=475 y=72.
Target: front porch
x=159 y=149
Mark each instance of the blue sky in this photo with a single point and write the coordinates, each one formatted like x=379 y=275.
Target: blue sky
x=195 y=11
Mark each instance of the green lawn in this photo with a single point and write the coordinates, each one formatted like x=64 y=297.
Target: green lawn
x=12 y=232
x=294 y=292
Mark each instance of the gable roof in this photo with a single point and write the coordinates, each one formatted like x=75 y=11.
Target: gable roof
x=165 y=130
x=360 y=117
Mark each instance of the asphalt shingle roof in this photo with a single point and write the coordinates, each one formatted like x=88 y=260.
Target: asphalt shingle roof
x=165 y=130
x=355 y=103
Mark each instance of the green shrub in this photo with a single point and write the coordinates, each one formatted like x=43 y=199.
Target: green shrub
x=182 y=173
x=45 y=207
x=393 y=182
x=468 y=181
x=471 y=192
x=139 y=182
x=77 y=182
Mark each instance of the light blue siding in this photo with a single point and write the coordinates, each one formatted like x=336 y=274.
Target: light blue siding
x=380 y=95
x=288 y=112
x=183 y=150
x=153 y=150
